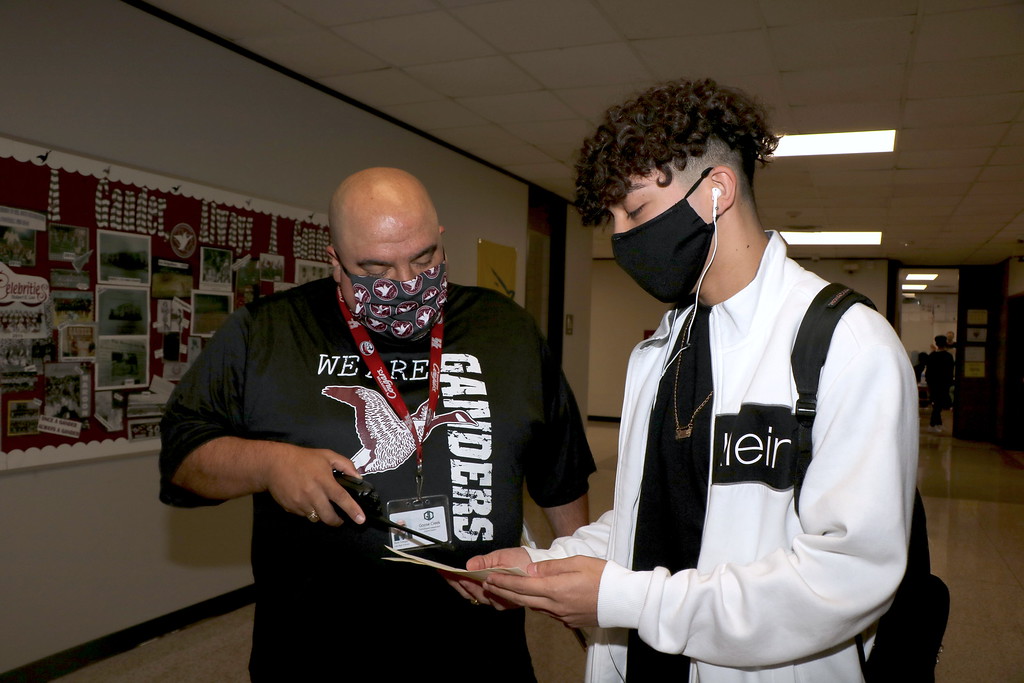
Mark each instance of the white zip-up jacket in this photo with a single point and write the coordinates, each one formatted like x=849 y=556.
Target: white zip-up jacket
x=774 y=597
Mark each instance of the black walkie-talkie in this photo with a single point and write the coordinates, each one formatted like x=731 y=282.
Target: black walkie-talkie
x=366 y=497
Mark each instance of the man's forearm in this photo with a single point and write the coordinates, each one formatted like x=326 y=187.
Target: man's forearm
x=566 y=519
x=227 y=467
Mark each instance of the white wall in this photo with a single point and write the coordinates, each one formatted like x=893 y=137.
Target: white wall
x=576 y=346
x=870 y=277
x=87 y=549
x=620 y=313
x=1016 y=277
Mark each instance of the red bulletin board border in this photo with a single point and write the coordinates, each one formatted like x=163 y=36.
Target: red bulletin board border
x=73 y=190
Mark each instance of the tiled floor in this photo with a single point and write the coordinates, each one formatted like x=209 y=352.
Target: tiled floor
x=974 y=495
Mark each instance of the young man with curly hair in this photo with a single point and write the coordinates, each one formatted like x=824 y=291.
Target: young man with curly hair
x=703 y=570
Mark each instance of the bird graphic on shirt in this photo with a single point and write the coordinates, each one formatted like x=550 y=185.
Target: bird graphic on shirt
x=386 y=441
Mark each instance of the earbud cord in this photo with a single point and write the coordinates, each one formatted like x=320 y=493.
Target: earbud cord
x=700 y=280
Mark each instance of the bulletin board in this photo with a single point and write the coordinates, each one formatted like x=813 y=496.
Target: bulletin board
x=111 y=281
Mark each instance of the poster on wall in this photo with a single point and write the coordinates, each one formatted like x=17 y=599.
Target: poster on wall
x=110 y=281
x=496 y=267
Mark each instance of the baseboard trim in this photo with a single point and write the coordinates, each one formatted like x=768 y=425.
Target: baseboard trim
x=72 y=659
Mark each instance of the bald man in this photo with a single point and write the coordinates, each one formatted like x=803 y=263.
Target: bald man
x=328 y=376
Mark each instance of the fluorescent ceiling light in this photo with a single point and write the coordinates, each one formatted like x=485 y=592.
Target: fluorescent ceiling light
x=914 y=288
x=862 y=142
x=834 y=238
x=922 y=276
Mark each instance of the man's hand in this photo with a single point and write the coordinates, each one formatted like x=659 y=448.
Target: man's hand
x=301 y=480
x=474 y=590
x=564 y=589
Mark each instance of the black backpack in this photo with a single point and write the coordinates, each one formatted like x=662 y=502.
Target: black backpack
x=909 y=636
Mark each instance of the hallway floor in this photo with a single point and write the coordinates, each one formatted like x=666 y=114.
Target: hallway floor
x=974 y=496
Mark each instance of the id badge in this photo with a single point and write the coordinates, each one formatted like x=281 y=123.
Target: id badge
x=428 y=515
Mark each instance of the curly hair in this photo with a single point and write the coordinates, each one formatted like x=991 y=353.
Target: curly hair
x=659 y=130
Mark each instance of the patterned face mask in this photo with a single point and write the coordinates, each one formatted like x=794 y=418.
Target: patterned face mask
x=402 y=311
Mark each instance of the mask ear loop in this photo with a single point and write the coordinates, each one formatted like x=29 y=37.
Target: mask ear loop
x=714 y=250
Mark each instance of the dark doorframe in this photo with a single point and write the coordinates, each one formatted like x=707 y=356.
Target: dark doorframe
x=980 y=305
x=1013 y=403
x=547 y=216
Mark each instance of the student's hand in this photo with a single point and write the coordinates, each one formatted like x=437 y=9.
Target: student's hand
x=474 y=591
x=564 y=589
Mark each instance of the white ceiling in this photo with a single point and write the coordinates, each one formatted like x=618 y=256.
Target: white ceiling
x=519 y=83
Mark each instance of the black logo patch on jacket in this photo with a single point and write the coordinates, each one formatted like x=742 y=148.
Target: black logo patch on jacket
x=757 y=445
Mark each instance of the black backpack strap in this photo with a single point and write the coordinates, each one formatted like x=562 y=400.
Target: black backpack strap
x=809 y=353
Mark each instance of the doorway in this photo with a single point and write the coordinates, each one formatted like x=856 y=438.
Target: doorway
x=928 y=302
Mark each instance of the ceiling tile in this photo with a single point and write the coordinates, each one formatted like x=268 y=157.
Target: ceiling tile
x=1009 y=190
x=1002 y=174
x=512 y=155
x=1008 y=155
x=843 y=84
x=962 y=111
x=551 y=132
x=463 y=3
x=430 y=115
x=983 y=76
x=785 y=12
x=836 y=118
x=921 y=211
x=575 y=67
x=879 y=161
x=1015 y=136
x=530 y=106
x=663 y=18
x=983 y=32
x=856 y=214
x=850 y=43
x=528 y=25
x=944 y=203
x=315 y=54
x=959 y=137
x=702 y=56
x=592 y=102
x=931 y=176
x=940 y=189
x=944 y=158
x=475 y=77
x=260 y=18
x=474 y=138
x=853 y=178
x=416 y=39
x=550 y=170
x=382 y=87
x=333 y=13
x=563 y=151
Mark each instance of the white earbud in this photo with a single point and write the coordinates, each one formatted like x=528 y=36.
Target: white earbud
x=715 y=193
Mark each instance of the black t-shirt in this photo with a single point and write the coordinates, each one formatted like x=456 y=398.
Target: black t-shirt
x=286 y=369
x=939 y=368
x=673 y=495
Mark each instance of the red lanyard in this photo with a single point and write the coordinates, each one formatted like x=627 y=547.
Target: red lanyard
x=387 y=386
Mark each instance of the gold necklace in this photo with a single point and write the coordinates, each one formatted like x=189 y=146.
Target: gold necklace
x=687 y=431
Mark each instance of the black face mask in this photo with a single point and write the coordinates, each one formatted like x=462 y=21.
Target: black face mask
x=666 y=254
